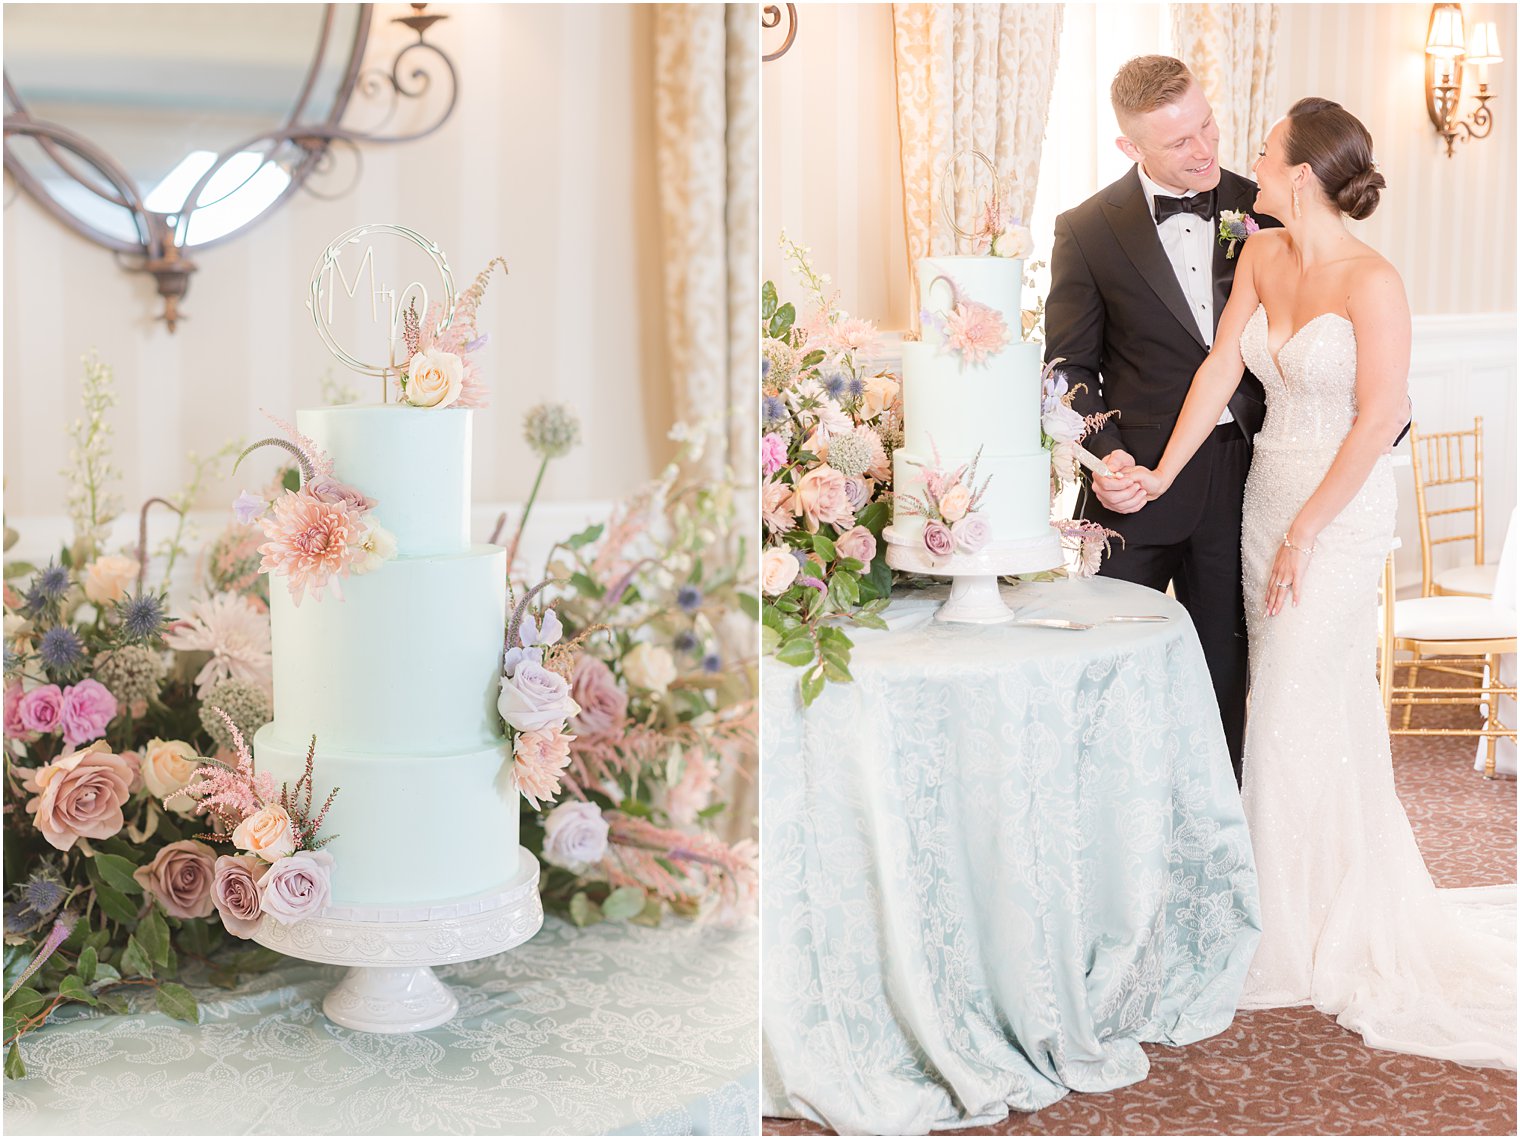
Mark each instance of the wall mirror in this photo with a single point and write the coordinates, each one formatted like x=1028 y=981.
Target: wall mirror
x=157 y=130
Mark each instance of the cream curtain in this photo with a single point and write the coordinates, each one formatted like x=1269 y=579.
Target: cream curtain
x=970 y=76
x=1232 y=49
x=707 y=160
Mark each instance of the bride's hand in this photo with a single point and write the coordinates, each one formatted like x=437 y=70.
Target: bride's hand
x=1287 y=576
x=1150 y=480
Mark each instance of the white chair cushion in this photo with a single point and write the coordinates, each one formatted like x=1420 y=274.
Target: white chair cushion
x=1452 y=619
x=1476 y=580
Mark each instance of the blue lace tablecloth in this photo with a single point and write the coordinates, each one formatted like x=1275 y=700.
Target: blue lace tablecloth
x=609 y=1029
x=996 y=863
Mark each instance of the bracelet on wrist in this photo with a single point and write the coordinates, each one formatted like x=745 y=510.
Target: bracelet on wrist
x=1307 y=551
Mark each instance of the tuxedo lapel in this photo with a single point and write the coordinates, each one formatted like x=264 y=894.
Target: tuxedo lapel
x=1135 y=230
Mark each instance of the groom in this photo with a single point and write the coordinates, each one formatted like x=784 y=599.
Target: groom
x=1138 y=282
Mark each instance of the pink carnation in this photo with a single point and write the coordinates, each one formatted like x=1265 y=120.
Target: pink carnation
x=87 y=708
x=975 y=331
x=540 y=757
x=41 y=709
x=311 y=542
x=772 y=454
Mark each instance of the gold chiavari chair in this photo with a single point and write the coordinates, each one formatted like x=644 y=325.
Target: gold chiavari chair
x=1451 y=459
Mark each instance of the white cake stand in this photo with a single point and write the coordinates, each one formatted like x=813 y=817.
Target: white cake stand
x=974 y=595
x=390 y=986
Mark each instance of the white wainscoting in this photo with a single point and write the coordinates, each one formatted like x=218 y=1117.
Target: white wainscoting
x=1460 y=366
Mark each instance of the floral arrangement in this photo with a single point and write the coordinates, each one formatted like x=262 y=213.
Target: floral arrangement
x=999 y=231
x=1234 y=227
x=949 y=507
x=970 y=329
x=321 y=531
x=1062 y=429
x=440 y=370
x=829 y=426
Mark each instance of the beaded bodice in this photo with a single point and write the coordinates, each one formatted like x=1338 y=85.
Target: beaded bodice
x=1310 y=385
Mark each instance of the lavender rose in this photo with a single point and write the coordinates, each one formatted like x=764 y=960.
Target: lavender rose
x=180 y=878
x=937 y=539
x=604 y=706
x=329 y=489
x=41 y=708
x=80 y=795
x=971 y=533
x=87 y=708
x=575 y=835
x=857 y=491
x=235 y=892
x=534 y=699
x=297 y=886
x=858 y=543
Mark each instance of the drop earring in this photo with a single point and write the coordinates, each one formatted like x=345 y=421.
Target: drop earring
x=1295 y=201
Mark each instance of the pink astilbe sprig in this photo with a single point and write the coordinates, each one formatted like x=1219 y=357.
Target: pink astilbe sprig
x=1089 y=540
x=706 y=868
x=411 y=330
x=229 y=794
x=469 y=301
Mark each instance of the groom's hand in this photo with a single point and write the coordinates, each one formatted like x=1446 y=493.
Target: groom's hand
x=1120 y=493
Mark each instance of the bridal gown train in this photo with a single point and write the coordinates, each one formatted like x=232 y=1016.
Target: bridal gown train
x=1351 y=922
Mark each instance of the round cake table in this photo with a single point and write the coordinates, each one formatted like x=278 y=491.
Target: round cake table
x=996 y=863
x=611 y=1029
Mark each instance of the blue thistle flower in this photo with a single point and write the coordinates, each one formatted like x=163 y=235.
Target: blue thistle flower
x=47 y=588
x=712 y=662
x=765 y=367
x=686 y=641
x=773 y=410
x=142 y=617
x=689 y=598
x=12 y=662
x=835 y=386
x=43 y=895
x=857 y=387
x=61 y=649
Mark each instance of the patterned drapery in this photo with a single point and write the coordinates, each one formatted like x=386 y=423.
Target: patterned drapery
x=970 y=76
x=1232 y=49
x=707 y=145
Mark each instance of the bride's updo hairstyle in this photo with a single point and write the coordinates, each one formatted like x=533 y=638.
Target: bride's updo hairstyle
x=1338 y=149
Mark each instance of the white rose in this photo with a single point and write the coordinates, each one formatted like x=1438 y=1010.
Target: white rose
x=434 y=378
x=649 y=666
x=267 y=833
x=1062 y=424
x=106 y=579
x=1015 y=241
x=778 y=569
x=575 y=835
x=167 y=766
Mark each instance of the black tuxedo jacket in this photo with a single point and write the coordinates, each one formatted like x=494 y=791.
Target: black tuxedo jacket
x=1120 y=320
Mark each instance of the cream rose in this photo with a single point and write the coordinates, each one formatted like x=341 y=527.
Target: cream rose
x=267 y=833
x=434 y=378
x=649 y=666
x=1015 y=241
x=821 y=498
x=954 y=503
x=778 y=569
x=880 y=394
x=167 y=766
x=106 y=579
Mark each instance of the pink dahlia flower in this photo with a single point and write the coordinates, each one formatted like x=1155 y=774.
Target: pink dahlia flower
x=540 y=758
x=975 y=331
x=311 y=542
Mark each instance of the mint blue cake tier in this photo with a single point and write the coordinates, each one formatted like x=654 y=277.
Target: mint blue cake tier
x=398 y=681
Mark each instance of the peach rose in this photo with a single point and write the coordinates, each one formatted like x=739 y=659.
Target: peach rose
x=80 y=795
x=168 y=765
x=954 y=503
x=434 y=378
x=268 y=833
x=778 y=569
x=106 y=578
x=858 y=543
x=821 y=497
x=180 y=878
x=879 y=396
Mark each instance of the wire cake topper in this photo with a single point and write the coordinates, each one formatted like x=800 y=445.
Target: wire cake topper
x=360 y=312
x=991 y=218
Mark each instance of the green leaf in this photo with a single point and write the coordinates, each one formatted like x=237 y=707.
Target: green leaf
x=14 y=1068
x=255 y=960
x=153 y=933
x=797 y=650
x=19 y=569
x=72 y=988
x=177 y=1001
x=750 y=604
x=781 y=321
x=585 y=585
x=651 y=915
x=844 y=591
x=835 y=671
x=635 y=807
x=195 y=937
x=812 y=686
x=115 y=905
x=583 y=911
x=623 y=902
x=768 y=301
x=119 y=846
x=223 y=978
x=586 y=536
x=812 y=359
x=106 y=974
x=117 y=873
x=769 y=640
x=823 y=546
x=114 y=1002
x=24 y=1003
x=712 y=810
x=870 y=620
x=86 y=965
x=136 y=961
x=878 y=583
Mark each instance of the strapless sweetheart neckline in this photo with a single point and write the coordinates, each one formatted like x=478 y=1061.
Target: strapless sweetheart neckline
x=1277 y=355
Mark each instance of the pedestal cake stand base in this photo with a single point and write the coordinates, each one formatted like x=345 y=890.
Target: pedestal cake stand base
x=974 y=595
x=390 y=986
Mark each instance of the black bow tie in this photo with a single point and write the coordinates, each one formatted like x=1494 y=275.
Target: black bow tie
x=1200 y=204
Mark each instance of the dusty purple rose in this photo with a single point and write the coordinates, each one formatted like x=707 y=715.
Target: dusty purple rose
x=970 y=533
x=772 y=454
x=41 y=708
x=180 y=878
x=575 y=835
x=297 y=886
x=329 y=489
x=938 y=539
x=604 y=705
x=87 y=708
x=235 y=892
x=533 y=699
x=857 y=491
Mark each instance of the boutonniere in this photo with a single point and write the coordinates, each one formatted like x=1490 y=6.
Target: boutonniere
x=1234 y=227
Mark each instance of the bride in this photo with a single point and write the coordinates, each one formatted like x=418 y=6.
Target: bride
x=1352 y=923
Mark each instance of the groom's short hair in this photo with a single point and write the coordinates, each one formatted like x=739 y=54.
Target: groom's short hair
x=1145 y=83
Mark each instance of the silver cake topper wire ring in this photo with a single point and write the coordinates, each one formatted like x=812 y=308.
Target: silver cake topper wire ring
x=948 y=187
x=327 y=267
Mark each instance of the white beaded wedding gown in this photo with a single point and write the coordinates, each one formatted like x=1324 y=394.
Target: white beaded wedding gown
x=1351 y=922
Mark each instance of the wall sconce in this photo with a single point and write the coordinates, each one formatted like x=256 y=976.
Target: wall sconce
x=770 y=17
x=1447 y=52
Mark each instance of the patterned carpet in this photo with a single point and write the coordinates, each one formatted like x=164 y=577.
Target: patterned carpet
x=1295 y=1071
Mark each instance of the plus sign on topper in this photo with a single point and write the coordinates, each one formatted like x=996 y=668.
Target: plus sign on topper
x=366 y=286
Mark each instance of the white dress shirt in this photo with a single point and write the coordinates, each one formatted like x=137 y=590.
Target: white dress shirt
x=1189 y=244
